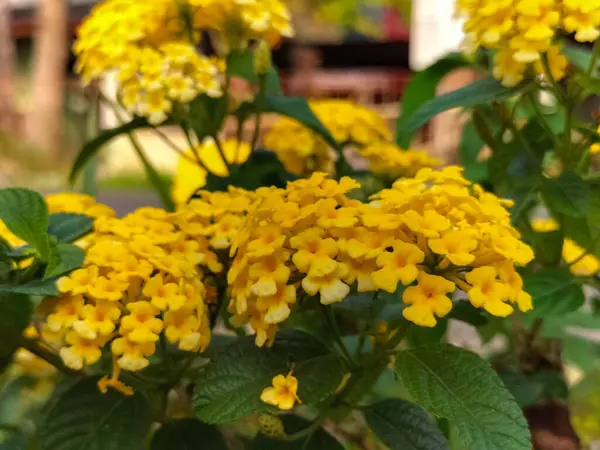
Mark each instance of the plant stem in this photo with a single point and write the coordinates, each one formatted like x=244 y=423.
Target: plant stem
x=594 y=59
x=47 y=355
x=222 y=153
x=260 y=104
x=542 y=119
x=335 y=332
x=153 y=176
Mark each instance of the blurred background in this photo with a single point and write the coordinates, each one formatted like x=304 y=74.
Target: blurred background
x=364 y=50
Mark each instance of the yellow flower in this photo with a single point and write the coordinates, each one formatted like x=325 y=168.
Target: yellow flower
x=276 y=307
x=488 y=291
x=314 y=253
x=98 y=319
x=81 y=350
x=163 y=295
x=283 y=394
x=398 y=265
x=386 y=159
x=78 y=282
x=268 y=273
x=183 y=327
x=141 y=325
x=427 y=299
x=132 y=354
x=457 y=246
x=430 y=223
x=585 y=266
x=66 y=312
x=112 y=289
x=557 y=62
x=330 y=286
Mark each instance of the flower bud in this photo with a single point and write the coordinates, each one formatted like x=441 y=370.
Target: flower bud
x=262 y=58
x=270 y=425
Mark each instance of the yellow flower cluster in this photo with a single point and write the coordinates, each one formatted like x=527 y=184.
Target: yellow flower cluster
x=142 y=279
x=435 y=229
x=462 y=237
x=151 y=47
x=215 y=216
x=523 y=30
x=303 y=152
x=67 y=202
x=191 y=174
x=582 y=263
x=388 y=160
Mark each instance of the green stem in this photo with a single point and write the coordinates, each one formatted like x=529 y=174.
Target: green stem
x=260 y=105
x=161 y=188
x=595 y=54
x=222 y=153
x=153 y=175
x=542 y=119
x=47 y=355
x=553 y=83
x=329 y=315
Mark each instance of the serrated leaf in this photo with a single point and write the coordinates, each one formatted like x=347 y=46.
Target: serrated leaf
x=36 y=287
x=460 y=386
x=230 y=387
x=402 y=425
x=187 y=434
x=298 y=108
x=240 y=63
x=65 y=258
x=553 y=292
x=67 y=228
x=568 y=194
x=93 y=146
x=482 y=91
x=319 y=440
x=85 y=418
x=15 y=315
x=25 y=214
x=423 y=85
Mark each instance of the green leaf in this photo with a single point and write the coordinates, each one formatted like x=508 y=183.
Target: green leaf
x=15 y=315
x=464 y=311
x=318 y=440
x=207 y=115
x=581 y=352
x=187 y=434
x=85 y=418
x=25 y=214
x=66 y=258
x=297 y=108
x=568 y=194
x=35 y=287
x=525 y=390
x=547 y=246
x=417 y=336
x=93 y=146
x=402 y=425
x=482 y=91
x=579 y=56
x=262 y=168
x=230 y=387
x=553 y=291
x=460 y=386
x=590 y=84
x=67 y=228
x=423 y=85
x=240 y=63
